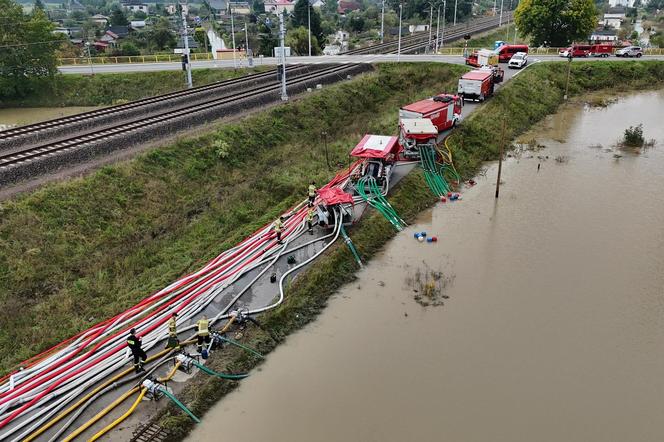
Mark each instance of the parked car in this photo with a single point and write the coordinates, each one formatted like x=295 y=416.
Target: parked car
x=518 y=60
x=630 y=51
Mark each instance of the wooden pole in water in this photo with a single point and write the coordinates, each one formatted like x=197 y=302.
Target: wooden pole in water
x=500 y=159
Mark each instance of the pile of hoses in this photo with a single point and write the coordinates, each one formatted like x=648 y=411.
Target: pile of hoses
x=368 y=189
x=434 y=173
x=32 y=399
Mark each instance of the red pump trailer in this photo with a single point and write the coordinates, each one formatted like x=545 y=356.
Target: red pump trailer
x=443 y=110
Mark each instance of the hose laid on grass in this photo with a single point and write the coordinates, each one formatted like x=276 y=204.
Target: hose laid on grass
x=181 y=405
x=351 y=246
x=237 y=344
x=432 y=173
x=375 y=199
x=220 y=375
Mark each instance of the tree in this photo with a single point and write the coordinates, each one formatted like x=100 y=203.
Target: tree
x=556 y=22
x=161 y=35
x=300 y=18
x=298 y=40
x=331 y=6
x=27 y=52
x=39 y=5
x=129 y=49
x=140 y=15
x=118 y=17
x=267 y=40
x=258 y=7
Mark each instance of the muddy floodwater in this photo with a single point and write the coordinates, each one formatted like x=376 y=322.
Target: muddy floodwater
x=554 y=325
x=28 y=115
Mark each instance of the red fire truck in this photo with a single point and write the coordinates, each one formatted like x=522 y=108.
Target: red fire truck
x=443 y=110
x=476 y=85
x=416 y=132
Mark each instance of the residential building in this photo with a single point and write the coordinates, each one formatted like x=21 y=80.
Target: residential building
x=120 y=31
x=172 y=9
x=135 y=6
x=240 y=7
x=612 y=20
x=137 y=24
x=99 y=19
x=347 y=6
x=627 y=3
x=604 y=36
x=316 y=3
x=279 y=6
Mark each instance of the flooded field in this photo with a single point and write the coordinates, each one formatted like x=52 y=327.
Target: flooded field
x=552 y=327
x=28 y=115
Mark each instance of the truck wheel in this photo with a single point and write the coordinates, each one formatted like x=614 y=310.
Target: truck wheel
x=638 y=55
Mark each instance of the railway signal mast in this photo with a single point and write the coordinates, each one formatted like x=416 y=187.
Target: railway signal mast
x=185 y=55
x=282 y=39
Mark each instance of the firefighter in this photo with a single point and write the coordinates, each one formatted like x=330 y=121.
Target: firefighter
x=134 y=344
x=173 y=341
x=203 y=332
x=312 y=193
x=278 y=228
x=310 y=220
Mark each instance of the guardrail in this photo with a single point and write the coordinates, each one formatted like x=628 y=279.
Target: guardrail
x=176 y=58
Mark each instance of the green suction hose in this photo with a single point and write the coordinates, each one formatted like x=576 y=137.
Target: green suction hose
x=375 y=199
x=220 y=375
x=181 y=405
x=351 y=246
x=237 y=344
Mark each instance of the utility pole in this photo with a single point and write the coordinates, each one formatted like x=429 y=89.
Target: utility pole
x=282 y=38
x=399 y=44
x=382 y=23
x=309 y=24
x=438 y=29
x=430 y=27
x=569 y=70
x=185 y=37
x=500 y=20
x=500 y=160
x=87 y=46
x=442 y=35
x=250 y=61
x=233 y=35
x=455 y=10
x=494 y=7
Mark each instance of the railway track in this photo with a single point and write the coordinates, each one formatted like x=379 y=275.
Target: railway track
x=23 y=135
x=13 y=165
x=38 y=148
x=420 y=41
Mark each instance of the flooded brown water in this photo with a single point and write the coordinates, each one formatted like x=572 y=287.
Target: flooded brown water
x=554 y=326
x=28 y=115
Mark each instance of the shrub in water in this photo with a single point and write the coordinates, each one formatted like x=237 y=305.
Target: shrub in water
x=634 y=136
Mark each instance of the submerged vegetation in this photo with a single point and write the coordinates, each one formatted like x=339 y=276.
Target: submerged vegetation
x=633 y=136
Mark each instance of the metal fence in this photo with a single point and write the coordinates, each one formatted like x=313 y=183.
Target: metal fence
x=176 y=58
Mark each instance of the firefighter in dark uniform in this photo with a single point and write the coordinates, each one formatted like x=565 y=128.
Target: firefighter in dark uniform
x=134 y=344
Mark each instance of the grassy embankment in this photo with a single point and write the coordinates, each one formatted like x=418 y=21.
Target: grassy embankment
x=74 y=253
x=107 y=89
x=533 y=95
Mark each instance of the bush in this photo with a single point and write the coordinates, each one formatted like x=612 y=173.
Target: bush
x=634 y=136
x=129 y=49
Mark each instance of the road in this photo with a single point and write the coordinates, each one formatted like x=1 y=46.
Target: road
x=267 y=61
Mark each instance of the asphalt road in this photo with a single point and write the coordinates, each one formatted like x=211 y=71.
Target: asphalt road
x=372 y=58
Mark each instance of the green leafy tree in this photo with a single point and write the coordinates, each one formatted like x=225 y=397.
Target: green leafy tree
x=140 y=15
x=129 y=49
x=556 y=22
x=331 y=6
x=161 y=36
x=300 y=18
x=39 y=5
x=267 y=40
x=258 y=7
x=27 y=50
x=118 y=17
x=298 y=40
